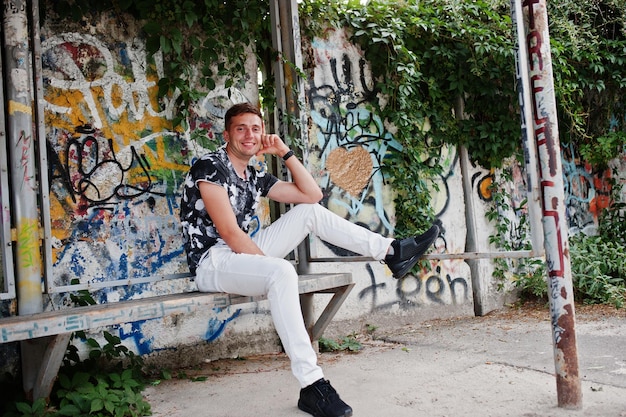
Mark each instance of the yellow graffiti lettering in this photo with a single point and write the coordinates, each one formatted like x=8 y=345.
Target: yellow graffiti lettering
x=16 y=106
x=28 y=244
x=72 y=117
x=124 y=130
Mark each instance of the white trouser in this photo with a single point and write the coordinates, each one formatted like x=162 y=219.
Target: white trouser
x=222 y=270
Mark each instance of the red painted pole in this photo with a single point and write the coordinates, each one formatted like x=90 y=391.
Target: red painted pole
x=546 y=135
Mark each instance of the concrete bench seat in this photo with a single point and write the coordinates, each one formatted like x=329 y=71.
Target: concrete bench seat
x=44 y=336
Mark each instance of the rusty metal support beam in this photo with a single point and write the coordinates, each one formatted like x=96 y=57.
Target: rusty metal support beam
x=534 y=15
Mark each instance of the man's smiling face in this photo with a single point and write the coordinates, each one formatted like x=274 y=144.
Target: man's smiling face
x=244 y=135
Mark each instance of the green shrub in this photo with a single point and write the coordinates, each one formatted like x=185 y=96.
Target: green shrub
x=599 y=268
x=599 y=262
x=108 y=383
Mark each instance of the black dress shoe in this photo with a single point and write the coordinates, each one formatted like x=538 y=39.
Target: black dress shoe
x=406 y=252
x=321 y=400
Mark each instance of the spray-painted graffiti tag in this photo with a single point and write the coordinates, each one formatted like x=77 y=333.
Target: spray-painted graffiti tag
x=94 y=171
x=349 y=139
x=114 y=164
x=414 y=291
x=587 y=192
x=84 y=64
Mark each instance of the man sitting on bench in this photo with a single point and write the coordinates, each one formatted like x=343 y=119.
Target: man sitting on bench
x=220 y=196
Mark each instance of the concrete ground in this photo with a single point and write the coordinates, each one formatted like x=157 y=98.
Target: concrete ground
x=498 y=365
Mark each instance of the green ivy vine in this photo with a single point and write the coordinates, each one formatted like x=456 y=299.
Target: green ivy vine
x=425 y=57
x=512 y=233
x=428 y=55
x=203 y=44
x=588 y=42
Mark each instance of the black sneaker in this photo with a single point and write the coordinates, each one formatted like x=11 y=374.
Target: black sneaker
x=321 y=400
x=408 y=251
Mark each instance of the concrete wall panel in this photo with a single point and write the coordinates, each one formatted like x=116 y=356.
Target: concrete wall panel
x=348 y=145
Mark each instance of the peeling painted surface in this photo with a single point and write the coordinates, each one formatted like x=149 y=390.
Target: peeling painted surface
x=560 y=287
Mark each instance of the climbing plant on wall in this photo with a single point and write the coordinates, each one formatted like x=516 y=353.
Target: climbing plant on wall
x=426 y=57
x=589 y=57
x=203 y=44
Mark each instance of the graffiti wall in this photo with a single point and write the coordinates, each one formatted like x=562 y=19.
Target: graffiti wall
x=115 y=165
x=587 y=191
x=347 y=150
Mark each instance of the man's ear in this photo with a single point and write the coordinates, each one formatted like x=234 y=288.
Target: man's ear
x=225 y=135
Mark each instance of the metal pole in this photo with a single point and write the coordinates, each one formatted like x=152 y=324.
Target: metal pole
x=546 y=133
x=528 y=138
x=289 y=86
x=276 y=9
x=41 y=143
x=21 y=140
x=7 y=290
x=518 y=254
x=471 y=239
x=289 y=95
x=293 y=83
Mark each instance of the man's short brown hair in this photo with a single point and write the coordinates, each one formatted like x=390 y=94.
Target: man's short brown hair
x=238 y=109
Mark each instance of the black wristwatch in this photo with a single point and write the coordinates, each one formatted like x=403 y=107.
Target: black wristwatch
x=288 y=155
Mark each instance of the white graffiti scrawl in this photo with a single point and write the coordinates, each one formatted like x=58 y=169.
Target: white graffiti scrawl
x=66 y=71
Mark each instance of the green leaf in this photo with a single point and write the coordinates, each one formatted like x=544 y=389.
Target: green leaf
x=152 y=27
x=24 y=408
x=80 y=379
x=165 y=44
x=96 y=405
x=111 y=338
x=69 y=410
x=191 y=18
x=92 y=343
